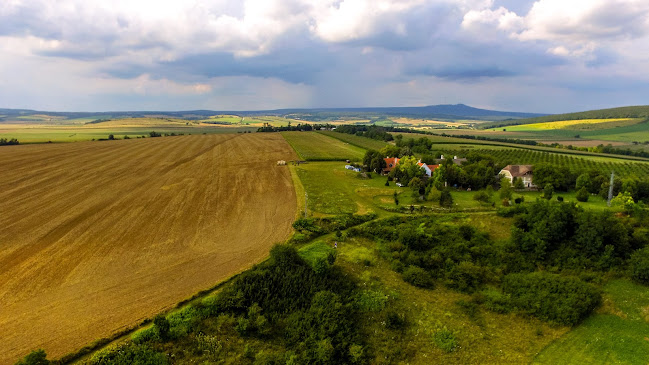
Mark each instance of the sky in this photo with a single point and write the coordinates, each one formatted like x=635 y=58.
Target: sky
x=545 y=56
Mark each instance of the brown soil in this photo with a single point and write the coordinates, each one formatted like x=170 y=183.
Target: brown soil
x=97 y=236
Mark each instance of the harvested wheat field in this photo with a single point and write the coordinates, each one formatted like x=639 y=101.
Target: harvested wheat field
x=96 y=236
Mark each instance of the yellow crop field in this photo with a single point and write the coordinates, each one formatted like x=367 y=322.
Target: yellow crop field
x=97 y=236
x=567 y=124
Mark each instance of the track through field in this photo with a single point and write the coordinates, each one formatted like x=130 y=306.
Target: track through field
x=96 y=236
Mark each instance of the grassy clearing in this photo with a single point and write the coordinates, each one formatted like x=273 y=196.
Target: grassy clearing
x=313 y=146
x=326 y=184
x=618 y=334
x=362 y=142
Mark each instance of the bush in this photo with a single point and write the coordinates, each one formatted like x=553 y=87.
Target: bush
x=395 y=320
x=36 y=357
x=445 y=340
x=418 y=277
x=548 y=190
x=446 y=199
x=583 y=195
x=639 y=265
x=550 y=297
x=128 y=354
x=466 y=277
x=482 y=197
x=370 y=300
x=496 y=301
x=161 y=325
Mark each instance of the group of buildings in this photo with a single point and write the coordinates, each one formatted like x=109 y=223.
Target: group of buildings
x=523 y=172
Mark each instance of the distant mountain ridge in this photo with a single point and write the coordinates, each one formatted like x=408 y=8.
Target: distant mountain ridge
x=445 y=111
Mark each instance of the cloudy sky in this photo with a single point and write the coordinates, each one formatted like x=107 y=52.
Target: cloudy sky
x=518 y=55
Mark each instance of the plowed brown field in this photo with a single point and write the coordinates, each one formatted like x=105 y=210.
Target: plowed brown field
x=96 y=236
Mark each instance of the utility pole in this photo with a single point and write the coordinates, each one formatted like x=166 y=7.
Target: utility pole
x=306 y=202
x=610 y=189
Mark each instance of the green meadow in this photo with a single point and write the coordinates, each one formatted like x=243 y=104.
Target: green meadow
x=362 y=142
x=313 y=146
x=617 y=334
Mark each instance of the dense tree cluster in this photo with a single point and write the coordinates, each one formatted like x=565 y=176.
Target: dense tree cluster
x=8 y=142
x=298 y=127
x=372 y=131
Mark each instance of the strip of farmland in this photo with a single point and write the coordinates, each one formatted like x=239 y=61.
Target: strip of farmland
x=97 y=236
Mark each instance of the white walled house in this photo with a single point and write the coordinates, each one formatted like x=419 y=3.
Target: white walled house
x=523 y=172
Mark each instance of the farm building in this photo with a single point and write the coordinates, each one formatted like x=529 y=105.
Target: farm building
x=390 y=163
x=521 y=171
x=428 y=168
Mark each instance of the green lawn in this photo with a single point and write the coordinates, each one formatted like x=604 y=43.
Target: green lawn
x=312 y=146
x=362 y=142
x=332 y=189
x=618 y=334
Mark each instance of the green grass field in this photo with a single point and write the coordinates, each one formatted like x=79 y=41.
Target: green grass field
x=312 y=146
x=618 y=334
x=362 y=142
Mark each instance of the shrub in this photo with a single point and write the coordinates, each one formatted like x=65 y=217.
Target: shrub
x=465 y=277
x=550 y=297
x=583 y=195
x=482 y=197
x=418 y=277
x=395 y=320
x=496 y=301
x=36 y=357
x=445 y=340
x=161 y=325
x=145 y=335
x=370 y=300
x=128 y=353
x=446 y=199
x=548 y=190
x=639 y=265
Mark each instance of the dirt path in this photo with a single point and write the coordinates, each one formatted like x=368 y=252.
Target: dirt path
x=95 y=237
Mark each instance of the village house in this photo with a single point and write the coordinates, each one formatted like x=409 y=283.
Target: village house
x=523 y=172
x=455 y=160
x=427 y=168
x=390 y=163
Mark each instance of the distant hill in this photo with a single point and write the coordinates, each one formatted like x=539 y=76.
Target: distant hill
x=452 y=112
x=640 y=111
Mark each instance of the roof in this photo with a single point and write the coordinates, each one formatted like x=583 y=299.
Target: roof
x=390 y=163
x=518 y=170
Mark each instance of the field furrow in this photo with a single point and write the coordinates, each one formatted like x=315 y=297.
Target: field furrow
x=98 y=236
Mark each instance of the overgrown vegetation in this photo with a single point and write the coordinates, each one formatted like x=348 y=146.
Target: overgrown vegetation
x=292 y=312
